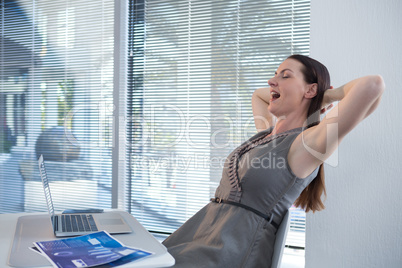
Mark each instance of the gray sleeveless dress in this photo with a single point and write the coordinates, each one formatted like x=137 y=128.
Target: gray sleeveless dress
x=257 y=175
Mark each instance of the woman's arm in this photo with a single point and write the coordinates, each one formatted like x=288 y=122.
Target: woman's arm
x=333 y=95
x=357 y=99
x=263 y=119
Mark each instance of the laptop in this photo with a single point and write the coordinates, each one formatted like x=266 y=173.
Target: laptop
x=74 y=224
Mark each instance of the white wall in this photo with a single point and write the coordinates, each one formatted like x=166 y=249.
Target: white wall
x=362 y=224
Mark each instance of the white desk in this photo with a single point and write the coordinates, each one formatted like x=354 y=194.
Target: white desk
x=140 y=238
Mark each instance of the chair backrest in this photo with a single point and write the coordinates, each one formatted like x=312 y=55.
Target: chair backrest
x=280 y=241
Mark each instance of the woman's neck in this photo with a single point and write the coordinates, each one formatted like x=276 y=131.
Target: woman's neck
x=288 y=123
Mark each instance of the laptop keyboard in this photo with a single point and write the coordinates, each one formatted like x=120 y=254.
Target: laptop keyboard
x=78 y=223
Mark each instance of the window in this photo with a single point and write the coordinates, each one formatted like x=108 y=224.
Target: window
x=193 y=66
x=56 y=78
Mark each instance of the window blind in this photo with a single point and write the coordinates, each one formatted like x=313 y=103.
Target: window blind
x=56 y=88
x=193 y=66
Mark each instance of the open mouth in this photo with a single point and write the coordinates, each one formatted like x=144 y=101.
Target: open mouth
x=275 y=95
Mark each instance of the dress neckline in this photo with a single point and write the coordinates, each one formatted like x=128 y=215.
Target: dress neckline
x=236 y=191
x=290 y=131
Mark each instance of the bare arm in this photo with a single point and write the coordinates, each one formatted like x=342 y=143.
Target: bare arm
x=333 y=95
x=357 y=99
x=263 y=119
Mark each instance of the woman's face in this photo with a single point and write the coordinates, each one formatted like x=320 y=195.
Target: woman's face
x=288 y=89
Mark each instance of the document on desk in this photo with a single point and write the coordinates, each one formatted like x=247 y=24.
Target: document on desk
x=90 y=250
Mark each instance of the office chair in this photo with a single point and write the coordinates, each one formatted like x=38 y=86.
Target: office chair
x=280 y=240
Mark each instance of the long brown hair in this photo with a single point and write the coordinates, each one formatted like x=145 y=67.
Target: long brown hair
x=314 y=72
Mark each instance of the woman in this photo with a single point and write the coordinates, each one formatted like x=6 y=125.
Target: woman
x=275 y=168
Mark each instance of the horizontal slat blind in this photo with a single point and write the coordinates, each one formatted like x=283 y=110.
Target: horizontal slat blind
x=193 y=66
x=56 y=80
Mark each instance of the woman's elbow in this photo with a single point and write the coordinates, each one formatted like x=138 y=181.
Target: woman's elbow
x=377 y=84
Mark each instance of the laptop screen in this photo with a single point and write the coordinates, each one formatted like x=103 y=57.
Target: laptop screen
x=46 y=188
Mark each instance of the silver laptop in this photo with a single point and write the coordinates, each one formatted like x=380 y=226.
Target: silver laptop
x=74 y=224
